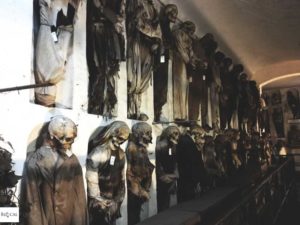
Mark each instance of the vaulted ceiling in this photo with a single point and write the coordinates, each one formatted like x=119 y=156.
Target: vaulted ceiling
x=263 y=35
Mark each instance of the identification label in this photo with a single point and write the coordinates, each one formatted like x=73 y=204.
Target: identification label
x=54 y=37
x=112 y=160
x=9 y=214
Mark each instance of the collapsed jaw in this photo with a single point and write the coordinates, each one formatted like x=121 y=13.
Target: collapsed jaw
x=116 y=144
x=63 y=145
x=117 y=141
x=145 y=141
x=173 y=140
x=66 y=147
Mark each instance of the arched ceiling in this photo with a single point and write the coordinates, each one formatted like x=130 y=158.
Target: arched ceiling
x=291 y=80
x=263 y=35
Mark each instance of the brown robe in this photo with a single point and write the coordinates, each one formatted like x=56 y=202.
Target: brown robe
x=143 y=37
x=139 y=179
x=52 y=190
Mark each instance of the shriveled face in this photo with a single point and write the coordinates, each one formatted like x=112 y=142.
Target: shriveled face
x=146 y=137
x=66 y=138
x=232 y=134
x=173 y=135
x=197 y=134
x=120 y=137
x=142 y=133
x=190 y=27
x=171 y=12
x=64 y=131
x=237 y=136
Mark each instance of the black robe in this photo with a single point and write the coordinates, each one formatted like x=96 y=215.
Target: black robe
x=166 y=165
x=190 y=167
x=105 y=50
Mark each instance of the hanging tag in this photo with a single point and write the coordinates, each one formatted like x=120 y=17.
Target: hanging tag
x=204 y=77
x=191 y=79
x=54 y=37
x=170 y=151
x=162 y=59
x=112 y=160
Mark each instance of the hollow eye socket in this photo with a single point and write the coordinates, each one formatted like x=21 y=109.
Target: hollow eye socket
x=67 y=139
x=121 y=140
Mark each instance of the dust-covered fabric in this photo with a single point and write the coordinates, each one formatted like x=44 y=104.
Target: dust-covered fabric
x=53 y=50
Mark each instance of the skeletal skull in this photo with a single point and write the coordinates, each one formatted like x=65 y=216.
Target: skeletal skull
x=64 y=131
x=189 y=27
x=143 y=133
x=172 y=134
x=262 y=103
x=197 y=134
x=232 y=134
x=120 y=134
x=171 y=11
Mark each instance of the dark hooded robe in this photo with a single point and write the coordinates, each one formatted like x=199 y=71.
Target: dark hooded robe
x=110 y=183
x=105 y=174
x=190 y=167
x=166 y=165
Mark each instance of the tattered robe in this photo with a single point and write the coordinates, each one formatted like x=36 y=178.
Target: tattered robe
x=181 y=57
x=139 y=179
x=143 y=33
x=105 y=51
x=105 y=181
x=166 y=165
x=161 y=67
